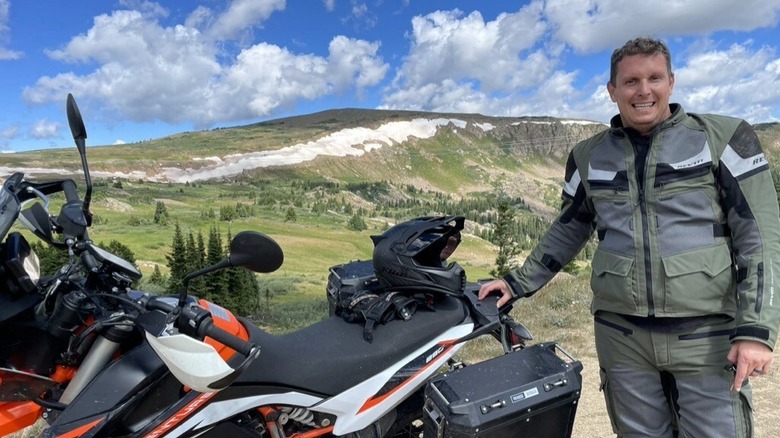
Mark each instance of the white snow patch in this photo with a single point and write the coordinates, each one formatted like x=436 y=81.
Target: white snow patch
x=136 y=174
x=7 y=171
x=582 y=122
x=347 y=142
x=533 y=122
x=564 y=122
x=485 y=126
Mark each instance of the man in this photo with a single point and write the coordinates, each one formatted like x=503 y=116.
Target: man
x=684 y=275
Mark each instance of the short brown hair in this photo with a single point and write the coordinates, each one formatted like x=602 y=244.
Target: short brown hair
x=639 y=46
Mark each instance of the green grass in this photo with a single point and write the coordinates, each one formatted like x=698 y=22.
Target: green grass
x=311 y=244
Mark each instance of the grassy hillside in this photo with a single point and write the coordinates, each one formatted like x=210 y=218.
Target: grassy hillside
x=449 y=173
x=316 y=240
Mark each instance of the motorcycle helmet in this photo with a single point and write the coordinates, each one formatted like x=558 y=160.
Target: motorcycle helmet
x=411 y=256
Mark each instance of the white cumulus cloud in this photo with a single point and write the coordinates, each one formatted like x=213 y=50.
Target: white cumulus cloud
x=515 y=64
x=6 y=53
x=45 y=129
x=185 y=76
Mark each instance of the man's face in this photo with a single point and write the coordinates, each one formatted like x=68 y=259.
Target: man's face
x=641 y=91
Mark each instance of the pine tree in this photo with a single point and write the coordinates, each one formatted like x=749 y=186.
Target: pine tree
x=243 y=291
x=356 y=223
x=291 y=216
x=157 y=277
x=194 y=263
x=177 y=260
x=233 y=288
x=201 y=250
x=504 y=238
x=192 y=255
x=216 y=282
x=161 y=216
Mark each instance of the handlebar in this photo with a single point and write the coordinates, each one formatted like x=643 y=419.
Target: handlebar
x=198 y=322
x=208 y=328
x=70 y=190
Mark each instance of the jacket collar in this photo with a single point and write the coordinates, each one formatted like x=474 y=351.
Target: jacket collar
x=678 y=115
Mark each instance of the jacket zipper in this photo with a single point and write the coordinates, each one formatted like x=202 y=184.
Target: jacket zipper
x=692 y=175
x=759 y=287
x=640 y=171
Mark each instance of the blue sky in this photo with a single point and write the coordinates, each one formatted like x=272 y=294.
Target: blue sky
x=143 y=69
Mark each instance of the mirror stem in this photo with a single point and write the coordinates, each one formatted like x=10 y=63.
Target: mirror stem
x=186 y=280
x=81 y=144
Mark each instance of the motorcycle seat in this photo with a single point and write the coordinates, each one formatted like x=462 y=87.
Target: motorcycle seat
x=331 y=356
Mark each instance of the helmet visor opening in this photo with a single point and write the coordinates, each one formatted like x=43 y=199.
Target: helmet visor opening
x=432 y=249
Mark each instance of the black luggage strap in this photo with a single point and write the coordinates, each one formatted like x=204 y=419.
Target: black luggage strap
x=385 y=309
x=378 y=312
x=357 y=307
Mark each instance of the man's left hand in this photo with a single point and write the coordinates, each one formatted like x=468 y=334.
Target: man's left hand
x=751 y=359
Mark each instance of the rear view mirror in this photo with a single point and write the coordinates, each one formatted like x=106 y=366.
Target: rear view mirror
x=256 y=252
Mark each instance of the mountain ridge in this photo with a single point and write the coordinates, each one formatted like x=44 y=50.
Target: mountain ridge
x=454 y=153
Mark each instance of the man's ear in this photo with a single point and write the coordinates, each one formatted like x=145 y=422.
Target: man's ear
x=611 y=91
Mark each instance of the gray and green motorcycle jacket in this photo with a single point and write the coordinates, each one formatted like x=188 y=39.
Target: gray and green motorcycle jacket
x=687 y=223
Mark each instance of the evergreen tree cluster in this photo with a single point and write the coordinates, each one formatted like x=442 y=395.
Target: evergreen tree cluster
x=505 y=221
x=161 y=216
x=234 y=288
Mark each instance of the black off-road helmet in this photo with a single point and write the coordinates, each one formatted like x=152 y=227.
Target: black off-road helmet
x=411 y=256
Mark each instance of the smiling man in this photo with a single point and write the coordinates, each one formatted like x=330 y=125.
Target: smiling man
x=683 y=279
x=641 y=86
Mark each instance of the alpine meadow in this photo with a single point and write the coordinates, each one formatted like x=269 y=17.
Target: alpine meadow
x=322 y=184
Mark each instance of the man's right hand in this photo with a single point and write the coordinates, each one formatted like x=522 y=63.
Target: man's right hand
x=499 y=286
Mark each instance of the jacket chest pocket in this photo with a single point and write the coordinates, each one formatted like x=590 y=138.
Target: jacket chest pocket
x=615 y=225
x=685 y=221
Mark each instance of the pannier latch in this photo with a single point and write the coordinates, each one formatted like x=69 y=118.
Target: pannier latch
x=550 y=386
x=487 y=408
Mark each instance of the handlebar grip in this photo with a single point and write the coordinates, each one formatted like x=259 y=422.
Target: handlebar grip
x=71 y=192
x=157 y=304
x=208 y=328
x=196 y=321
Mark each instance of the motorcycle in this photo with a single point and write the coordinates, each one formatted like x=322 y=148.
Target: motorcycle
x=94 y=357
